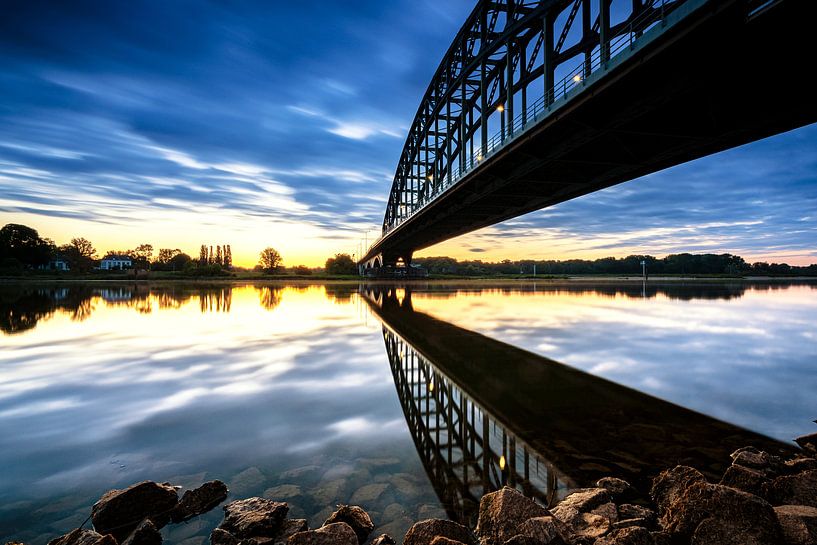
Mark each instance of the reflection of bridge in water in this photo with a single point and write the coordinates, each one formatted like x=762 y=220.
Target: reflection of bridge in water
x=466 y=451
x=484 y=414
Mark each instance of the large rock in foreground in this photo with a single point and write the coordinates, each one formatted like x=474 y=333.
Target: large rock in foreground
x=254 y=517
x=627 y=536
x=502 y=512
x=799 y=489
x=83 y=537
x=670 y=485
x=144 y=534
x=424 y=532
x=200 y=500
x=119 y=512
x=338 y=533
x=799 y=524
x=712 y=514
x=355 y=517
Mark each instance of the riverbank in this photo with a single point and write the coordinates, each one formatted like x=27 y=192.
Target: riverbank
x=169 y=278
x=761 y=499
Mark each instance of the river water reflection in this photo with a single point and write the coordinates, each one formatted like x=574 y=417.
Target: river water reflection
x=409 y=401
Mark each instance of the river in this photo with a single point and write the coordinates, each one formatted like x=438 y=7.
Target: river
x=409 y=400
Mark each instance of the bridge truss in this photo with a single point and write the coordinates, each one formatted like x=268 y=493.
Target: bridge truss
x=509 y=63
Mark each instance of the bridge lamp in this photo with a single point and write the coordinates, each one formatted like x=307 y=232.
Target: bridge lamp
x=502 y=463
x=577 y=78
x=500 y=108
x=430 y=177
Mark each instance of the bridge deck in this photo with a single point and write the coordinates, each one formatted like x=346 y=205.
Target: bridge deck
x=714 y=79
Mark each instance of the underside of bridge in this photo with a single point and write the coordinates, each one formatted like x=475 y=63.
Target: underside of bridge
x=721 y=74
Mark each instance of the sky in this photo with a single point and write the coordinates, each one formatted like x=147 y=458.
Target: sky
x=256 y=124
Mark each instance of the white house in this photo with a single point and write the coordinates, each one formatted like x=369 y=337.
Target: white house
x=115 y=262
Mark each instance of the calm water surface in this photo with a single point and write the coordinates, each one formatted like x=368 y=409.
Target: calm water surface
x=372 y=394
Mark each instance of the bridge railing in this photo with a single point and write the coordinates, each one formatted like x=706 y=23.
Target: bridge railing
x=562 y=91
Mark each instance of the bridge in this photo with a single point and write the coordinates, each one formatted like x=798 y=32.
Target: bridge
x=540 y=101
x=484 y=414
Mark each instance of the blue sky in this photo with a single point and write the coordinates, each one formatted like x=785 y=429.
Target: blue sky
x=280 y=124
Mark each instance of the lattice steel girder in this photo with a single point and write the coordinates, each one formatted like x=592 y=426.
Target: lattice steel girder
x=485 y=67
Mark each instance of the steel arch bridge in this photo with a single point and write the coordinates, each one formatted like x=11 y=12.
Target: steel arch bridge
x=540 y=101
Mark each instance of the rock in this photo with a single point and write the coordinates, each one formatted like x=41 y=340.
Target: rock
x=222 y=537
x=607 y=510
x=796 y=465
x=442 y=540
x=618 y=488
x=661 y=538
x=424 y=532
x=743 y=478
x=254 y=517
x=283 y=492
x=808 y=442
x=338 y=533
x=119 y=512
x=369 y=493
x=671 y=484
x=754 y=459
x=144 y=534
x=289 y=528
x=583 y=500
x=426 y=511
x=630 y=511
x=799 y=524
x=395 y=510
x=627 y=536
x=198 y=501
x=589 y=526
x=356 y=518
x=81 y=536
x=330 y=492
x=546 y=530
x=712 y=514
x=501 y=512
x=383 y=539
x=248 y=481
x=799 y=489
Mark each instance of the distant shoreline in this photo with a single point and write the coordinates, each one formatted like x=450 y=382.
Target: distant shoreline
x=318 y=279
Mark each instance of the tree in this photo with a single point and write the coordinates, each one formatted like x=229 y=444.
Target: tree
x=270 y=259
x=203 y=255
x=22 y=243
x=341 y=264
x=219 y=260
x=79 y=253
x=228 y=257
x=141 y=256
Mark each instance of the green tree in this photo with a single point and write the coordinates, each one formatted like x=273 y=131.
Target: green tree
x=141 y=256
x=270 y=260
x=341 y=264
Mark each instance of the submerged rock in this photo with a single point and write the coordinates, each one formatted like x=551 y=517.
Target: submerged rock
x=144 y=534
x=798 y=489
x=200 y=500
x=222 y=537
x=81 y=536
x=424 y=532
x=356 y=518
x=338 y=533
x=119 y=512
x=799 y=524
x=254 y=517
x=501 y=513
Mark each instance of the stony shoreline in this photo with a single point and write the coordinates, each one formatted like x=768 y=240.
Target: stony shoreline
x=761 y=499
